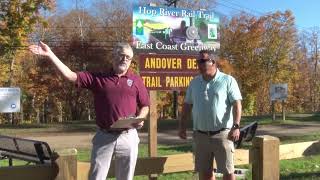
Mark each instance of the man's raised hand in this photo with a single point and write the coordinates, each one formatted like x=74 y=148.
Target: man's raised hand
x=41 y=49
x=44 y=50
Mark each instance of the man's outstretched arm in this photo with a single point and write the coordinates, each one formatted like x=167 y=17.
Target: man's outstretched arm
x=44 y=50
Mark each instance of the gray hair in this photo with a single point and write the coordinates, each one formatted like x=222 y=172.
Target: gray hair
x=210 y=53
x=214 y=57
x=120 y=46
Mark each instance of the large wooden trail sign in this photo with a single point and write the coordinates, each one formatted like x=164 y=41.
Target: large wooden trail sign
x=167 y=71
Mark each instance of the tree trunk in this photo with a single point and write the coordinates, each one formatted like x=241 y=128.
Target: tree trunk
x=10 y=82
x=60 y=119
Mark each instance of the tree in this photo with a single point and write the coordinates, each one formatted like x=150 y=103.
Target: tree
x=259 y=50
x=314 y=46
x=80 y=49
x=17 y=20
x=300 y=100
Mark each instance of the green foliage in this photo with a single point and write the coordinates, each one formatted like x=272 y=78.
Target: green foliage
x=249 y=105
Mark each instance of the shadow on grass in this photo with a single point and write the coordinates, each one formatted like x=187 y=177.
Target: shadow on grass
x=66 y=127
x=166 y=124
x=180 y=148
x=88 y=127
x=305 y=175
x=314 y=149
x=305 y=117
x=267 y=119
x=24 y=126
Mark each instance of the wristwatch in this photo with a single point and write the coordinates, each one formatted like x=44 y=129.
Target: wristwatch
x=235 y=126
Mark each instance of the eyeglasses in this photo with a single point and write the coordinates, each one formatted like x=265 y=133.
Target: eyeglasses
x=124 y=56
x=202 y=61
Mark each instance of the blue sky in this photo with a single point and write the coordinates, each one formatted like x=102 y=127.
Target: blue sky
x=306 y=12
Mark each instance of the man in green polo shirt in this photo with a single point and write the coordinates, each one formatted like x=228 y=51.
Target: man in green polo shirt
x=214 y=99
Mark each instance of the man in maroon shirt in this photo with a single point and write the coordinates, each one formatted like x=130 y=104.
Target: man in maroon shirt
x=117 y=94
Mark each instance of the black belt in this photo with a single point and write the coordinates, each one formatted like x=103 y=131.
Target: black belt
x=115 y=131
x=211 y=133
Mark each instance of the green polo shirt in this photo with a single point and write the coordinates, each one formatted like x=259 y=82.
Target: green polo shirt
x=212 y=101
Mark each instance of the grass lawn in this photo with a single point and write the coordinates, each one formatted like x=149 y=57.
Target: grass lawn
x=304 y=168
x=301 y=168
x=27 y=129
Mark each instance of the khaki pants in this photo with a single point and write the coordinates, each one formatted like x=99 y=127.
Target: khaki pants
x=124 y=149
x=209 y=148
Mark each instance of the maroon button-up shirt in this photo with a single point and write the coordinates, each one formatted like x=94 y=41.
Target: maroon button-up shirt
x=114 y=96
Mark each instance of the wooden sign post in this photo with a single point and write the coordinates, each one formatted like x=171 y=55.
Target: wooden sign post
x=153 y=126
x=153 y=141
x=164 y=72
x=283 y=110
x=278 y=92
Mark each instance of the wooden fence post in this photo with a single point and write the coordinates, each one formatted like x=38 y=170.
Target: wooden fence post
x=264 y=156
x=67 y=164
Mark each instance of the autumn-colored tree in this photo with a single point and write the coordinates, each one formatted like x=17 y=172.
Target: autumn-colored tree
x=259 y=49
x=17 y=19
x=78 y=46
x=314 y=53
x=306 y=56
x=300 y=99
x=83 y=42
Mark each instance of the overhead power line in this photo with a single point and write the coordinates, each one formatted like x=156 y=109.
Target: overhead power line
x=243 y=8
x=240 y=8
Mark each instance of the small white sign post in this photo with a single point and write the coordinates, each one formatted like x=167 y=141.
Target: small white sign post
x=278 y=92
x=10 y=100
